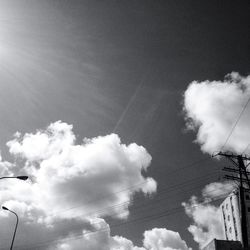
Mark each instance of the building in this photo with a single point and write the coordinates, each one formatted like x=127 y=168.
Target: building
x=231 y=219
x=232 y=212
x=223 y=245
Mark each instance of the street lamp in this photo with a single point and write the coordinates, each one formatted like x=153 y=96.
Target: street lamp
x=12 y=242
x=21 y=177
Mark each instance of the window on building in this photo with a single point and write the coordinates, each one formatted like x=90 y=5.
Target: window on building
x=228 y=217
x=247 y=197
x=230 y=230
x=226 y=206
x=234 y=220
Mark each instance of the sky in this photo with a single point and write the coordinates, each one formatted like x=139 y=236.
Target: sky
x=113 y=109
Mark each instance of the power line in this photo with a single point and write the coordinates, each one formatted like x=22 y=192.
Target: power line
x=235 y=124
x=141 y=219
x=143 y=205
x=133 y=186
x=164 y=191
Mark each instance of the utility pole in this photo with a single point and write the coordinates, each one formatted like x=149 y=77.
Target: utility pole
x=242 y=176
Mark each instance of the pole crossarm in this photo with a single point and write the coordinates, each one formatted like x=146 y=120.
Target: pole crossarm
x=242 y=176
x=233 y=156
x=231 y=177
x=233 y=170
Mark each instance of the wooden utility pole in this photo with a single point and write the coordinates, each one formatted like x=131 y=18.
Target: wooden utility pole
x=242 y=176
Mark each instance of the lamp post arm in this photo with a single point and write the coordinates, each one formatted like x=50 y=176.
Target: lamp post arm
x=21 y=177
x=6 y=177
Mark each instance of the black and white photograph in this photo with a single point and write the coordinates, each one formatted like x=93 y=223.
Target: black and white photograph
x=125 y=125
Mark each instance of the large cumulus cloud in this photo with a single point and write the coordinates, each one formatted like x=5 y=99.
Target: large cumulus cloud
x=213 y=107
x=71 y=184
x=72 y=188
x=90 y=175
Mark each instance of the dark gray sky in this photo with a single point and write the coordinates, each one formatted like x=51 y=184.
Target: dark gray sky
x=123 y=65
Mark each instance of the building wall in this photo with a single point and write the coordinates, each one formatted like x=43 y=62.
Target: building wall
x=223 y=245
x=227 y=245
x=230 y=211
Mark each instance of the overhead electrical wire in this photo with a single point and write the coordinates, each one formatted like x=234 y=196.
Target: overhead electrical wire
x=141 y=219
x=134 y=186
x=122 y=116
x=166 y=188
x=162 y=192
x=176 y=170
x=146 y=218
x=164 y=211
x=137 y=207
x=235 y=124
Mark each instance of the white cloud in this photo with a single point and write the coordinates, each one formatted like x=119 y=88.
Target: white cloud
x=163 y=239
x=121 y=243
x=212 y=108
x=43 y=144
x=218 y=189
x=71 y=184
x=5 y=167
x=72 y=188
x=99 y=239
x=206 y=218
x=155 y=239
x=98 y=170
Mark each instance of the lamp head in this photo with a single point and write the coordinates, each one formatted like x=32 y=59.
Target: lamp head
x=4 y=208
x=22 y=177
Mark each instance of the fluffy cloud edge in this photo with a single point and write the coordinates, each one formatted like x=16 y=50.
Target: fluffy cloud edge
x=212 y=107
x=154 y=239
x=206 y=218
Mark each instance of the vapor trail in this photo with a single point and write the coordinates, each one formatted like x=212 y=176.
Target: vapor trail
x=131 y=100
